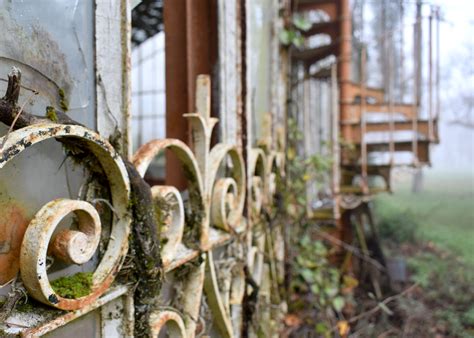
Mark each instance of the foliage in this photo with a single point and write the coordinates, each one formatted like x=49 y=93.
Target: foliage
x=301 y=170
x=444 y=211
x=315 y=275
x=291 y=35
x=431 y=237
x=396 y=224
x=316 y=285
x=448 y=286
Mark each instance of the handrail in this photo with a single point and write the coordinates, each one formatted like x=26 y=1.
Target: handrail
x=430 y=77
x=336 y=152
x=437 y=64
x=390 y=106
x=417 y=85
x=363 y=122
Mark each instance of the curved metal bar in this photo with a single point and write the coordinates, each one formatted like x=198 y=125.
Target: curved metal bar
x=36 y=242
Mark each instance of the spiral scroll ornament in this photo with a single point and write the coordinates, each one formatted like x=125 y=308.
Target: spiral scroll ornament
x=72 y=246
x=216 y=190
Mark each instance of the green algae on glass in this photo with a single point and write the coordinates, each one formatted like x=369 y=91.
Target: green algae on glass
x=75 y=286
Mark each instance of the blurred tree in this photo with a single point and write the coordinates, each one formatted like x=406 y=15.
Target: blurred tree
x=458 y=86
x=147 y=20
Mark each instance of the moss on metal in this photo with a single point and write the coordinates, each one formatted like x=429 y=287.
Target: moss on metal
x=51 y=114
x=63 y=102
x=75 y=286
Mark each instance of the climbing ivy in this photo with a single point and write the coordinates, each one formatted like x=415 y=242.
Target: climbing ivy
x=314 y=282
x=291 y=34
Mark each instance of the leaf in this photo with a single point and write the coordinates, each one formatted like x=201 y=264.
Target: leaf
x=321 y=328
x=291 y=153
x=385 y=309
x=305 y=241
x=322 y=300
x=343 y=328
x=338 y=303
x=318 y=277
x=286 y=37
x=320 y=249
x=349 y=282
x=331 y=291
x=301 y=23
x=315 y=289
x=298 y=41
x=307 y=275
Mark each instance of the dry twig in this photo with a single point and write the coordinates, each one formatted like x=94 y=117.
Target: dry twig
x=351 y=249
x=16 y=119
x=377 y=308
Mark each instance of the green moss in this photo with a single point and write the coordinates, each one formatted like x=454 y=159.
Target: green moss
x=63 y=102
x=162 y=209
x=25 y=307
x=75 y=286
x=61 y=93
x=51 y=114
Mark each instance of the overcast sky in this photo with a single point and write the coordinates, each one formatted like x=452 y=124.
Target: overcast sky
x=456 y=151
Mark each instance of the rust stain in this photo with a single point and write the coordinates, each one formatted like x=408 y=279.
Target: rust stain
x=13 y=223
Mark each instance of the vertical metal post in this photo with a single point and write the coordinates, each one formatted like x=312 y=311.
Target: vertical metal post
x=418 y=76
x=307 y=132
x=437 y=64
x=418 y=52
x=174 y=12
x=383 y=37
x=415 y=102
x=201 y=32
x=363 y=126
x=430 y=77
x=390 y=103
x=191 y=45
x=344 y=62
x=402 y=53
x=336 y=152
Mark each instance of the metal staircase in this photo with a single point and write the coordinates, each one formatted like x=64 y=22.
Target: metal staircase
x=374 y=129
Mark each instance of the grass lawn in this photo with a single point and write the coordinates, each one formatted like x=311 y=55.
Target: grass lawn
x=443 y=211
x=434 y=231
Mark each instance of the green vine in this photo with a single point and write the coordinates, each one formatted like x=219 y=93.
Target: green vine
x=291 y=35
x=315 y=284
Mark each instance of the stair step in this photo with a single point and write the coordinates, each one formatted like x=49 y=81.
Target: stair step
x=323 y=73
x=372 y=169
x=354 y=91
x=423 y=149
x=327 y=27
x=354 y=189
x=350 y=171
x=327 y=6
x=310 y=56
x=352 y=131
x=351 y=112
x=351 y=157
x=323 y=214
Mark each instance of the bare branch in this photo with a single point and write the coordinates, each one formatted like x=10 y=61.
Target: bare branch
x=462 y=123
x=9 y=111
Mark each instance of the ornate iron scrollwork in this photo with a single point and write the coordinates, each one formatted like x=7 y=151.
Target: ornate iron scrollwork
x=72 y=246
x=212 y=217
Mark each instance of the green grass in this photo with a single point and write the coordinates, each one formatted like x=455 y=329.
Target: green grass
x=436 y=228
x=444 y=210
